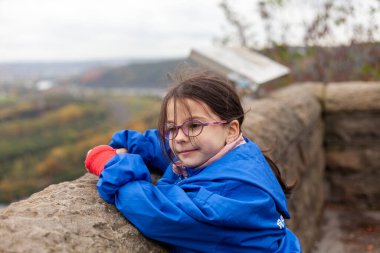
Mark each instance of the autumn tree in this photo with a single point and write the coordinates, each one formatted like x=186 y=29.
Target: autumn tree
x=319 y=40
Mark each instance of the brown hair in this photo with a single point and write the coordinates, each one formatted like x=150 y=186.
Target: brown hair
x=218 y=94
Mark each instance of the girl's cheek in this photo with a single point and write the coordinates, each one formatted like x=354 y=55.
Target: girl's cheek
x=171 y=145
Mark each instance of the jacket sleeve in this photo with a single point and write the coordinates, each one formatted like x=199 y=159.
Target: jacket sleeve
x=192 y=216
x=156 y=212
x=146 y=145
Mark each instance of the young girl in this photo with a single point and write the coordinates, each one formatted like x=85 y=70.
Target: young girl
x=218 y=194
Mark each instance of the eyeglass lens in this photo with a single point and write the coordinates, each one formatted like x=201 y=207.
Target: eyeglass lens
x=189 y=128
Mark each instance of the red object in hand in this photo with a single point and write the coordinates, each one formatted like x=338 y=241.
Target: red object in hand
x=98 y=157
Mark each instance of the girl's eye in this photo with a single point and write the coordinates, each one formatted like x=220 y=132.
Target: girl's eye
x=194 y=125
x=170 y=129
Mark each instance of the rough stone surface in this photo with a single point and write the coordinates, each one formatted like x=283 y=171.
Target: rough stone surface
x=69 y=217
x=356 y=189
x=353 y=159
x=304 y=153
x=352 y=129
x=277 y=121
x=352 y=96
x=289 y=125
x=346 y=230
x=317 y=89
x=352 y=144
x=306 y=205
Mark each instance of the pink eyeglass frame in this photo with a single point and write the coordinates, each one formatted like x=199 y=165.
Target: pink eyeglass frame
x=203 y=124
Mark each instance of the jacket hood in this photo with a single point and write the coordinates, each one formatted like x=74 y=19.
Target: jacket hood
x=247 y=164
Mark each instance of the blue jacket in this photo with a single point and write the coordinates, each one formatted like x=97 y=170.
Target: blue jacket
x=233 y=205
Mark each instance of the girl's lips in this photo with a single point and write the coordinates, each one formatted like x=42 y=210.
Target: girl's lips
x=184 y=152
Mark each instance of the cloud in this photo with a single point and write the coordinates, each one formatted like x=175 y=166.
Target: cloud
x=87 y=29
x=71 y=29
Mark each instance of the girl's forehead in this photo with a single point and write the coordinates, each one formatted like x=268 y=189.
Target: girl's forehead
x=178 y=109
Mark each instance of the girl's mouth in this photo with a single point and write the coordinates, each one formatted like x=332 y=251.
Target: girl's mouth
x=186 y=152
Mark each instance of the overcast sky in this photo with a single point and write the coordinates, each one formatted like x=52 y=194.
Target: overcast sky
x=92 y=29
x=101 y=29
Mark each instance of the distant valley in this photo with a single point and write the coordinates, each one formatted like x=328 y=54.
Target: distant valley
x=92 y=74
x=135 y=75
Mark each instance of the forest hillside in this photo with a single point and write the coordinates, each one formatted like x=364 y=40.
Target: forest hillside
x=44 y=139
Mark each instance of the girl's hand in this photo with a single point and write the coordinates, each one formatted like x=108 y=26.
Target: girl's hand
x=121 y=150
x=98 y=157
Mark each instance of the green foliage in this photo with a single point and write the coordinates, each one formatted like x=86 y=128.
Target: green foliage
x=45 y=140
x=6 y=100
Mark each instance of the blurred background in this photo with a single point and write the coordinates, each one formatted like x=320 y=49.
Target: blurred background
x=73 y=72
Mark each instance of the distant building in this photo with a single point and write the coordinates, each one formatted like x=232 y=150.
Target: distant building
x=245 y=68
x=44 y=84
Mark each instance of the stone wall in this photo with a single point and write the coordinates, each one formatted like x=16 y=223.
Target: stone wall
x=292 y=124
x=352 y=119
x=69 y=217
x=289 y=124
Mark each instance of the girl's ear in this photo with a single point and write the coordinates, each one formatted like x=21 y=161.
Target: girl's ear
x=233 y=131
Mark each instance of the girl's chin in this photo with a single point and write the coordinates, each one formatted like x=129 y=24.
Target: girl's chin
x=191 y=164
x=192 y=159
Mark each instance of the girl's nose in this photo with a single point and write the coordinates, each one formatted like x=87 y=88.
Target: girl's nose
x=181 y=136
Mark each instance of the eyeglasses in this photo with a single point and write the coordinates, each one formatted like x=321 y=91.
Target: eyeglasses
x=190 y=128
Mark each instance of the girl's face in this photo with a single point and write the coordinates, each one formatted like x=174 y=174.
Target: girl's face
x=194 y=151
